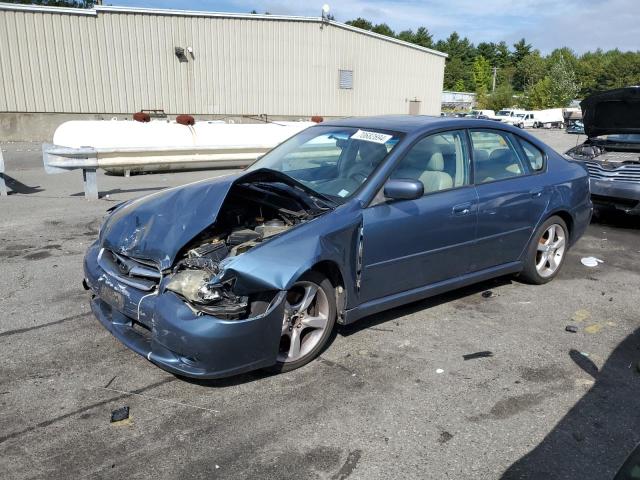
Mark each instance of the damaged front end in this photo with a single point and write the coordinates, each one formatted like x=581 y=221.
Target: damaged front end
x=611 y=154
x=183 y=307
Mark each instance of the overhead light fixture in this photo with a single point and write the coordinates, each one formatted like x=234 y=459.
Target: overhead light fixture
x=325 y=11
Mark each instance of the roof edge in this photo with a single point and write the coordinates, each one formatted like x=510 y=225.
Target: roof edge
x=45 y=9
x=197 y=13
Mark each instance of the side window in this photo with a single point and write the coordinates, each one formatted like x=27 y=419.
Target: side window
x=494 y=156
x=439 y=161
x=534 y=155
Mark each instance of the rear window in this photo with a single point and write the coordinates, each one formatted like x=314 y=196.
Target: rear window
x=534 y=155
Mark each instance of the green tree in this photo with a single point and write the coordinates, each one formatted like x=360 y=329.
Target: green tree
x=503 y=55
x=564 y=85
x=459 y=65
x=360 y=23
x=622 y=70
x=501 y=98
x=459 y=86
x=423 y=38
x=520 y=50
x=420 y=37
x=481 y=73
x=406 y=36
x=383 y=29
x=529 y=70
x=455 y=72
x=538 y=96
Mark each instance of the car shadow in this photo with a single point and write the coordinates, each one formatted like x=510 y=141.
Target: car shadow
x=600 y=430
x=410 y=308
x=615 y=218
x=234 y=381
x=362 y=324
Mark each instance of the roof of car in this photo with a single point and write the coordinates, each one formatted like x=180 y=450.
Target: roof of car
x=412 y=123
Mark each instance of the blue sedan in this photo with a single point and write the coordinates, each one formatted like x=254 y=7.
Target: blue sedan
x=346 y=219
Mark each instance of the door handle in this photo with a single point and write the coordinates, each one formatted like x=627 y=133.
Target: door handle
x=536 y=193
x=462 y=209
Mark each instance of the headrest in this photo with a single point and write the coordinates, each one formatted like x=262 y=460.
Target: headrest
x=436 y=162
x=372 y=152
x=500 y=154
x=480 y=155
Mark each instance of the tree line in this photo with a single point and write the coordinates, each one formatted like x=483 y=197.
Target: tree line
x=524 y=77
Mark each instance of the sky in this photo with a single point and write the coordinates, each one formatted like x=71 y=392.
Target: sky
x=581 y=25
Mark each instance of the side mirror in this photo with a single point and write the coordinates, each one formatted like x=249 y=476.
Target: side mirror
x=403 y=189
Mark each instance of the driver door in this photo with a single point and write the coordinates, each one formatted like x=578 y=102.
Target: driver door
x=408 y=244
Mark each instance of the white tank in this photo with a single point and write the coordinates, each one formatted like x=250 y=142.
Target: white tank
x=115 y=134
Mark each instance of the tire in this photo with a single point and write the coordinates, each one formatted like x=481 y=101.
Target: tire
x=310 y=327
x=545 y=256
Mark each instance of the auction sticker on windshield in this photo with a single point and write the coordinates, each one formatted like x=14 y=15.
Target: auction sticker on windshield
x=371 y=136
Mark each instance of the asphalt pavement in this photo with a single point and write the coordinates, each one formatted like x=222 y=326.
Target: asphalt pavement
x=392 y=397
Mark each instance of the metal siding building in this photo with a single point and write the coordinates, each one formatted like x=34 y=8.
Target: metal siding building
x=111 y=60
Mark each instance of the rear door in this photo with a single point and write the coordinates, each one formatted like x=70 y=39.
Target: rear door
x=512 y=196
x=411 y=243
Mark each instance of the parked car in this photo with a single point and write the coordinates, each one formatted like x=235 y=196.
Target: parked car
x=343 y=220
x=611 y=152
x=575 y=127
x=508 y=115
x=525 y=120
x=482 y=114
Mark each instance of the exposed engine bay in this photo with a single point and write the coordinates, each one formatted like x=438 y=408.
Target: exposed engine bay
x=606 y=152
x=251 y=214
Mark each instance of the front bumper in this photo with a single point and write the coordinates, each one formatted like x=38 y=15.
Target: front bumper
x=621 y=195
x=163 y=329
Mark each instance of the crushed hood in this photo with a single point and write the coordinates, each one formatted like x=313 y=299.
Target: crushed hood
x=158 y=226
x=612 y=112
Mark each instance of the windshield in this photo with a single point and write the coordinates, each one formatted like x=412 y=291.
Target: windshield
x=331 y=161
x=504 y=113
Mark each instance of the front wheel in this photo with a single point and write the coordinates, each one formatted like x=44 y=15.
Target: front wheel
x=308 y=321
x=546 y=252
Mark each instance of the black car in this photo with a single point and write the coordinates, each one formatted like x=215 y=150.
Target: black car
x=611 y=152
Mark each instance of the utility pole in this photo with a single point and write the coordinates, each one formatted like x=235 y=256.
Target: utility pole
x=493 y=87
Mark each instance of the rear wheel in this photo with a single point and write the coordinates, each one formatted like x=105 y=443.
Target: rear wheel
x=546 y=252
x=308 y=321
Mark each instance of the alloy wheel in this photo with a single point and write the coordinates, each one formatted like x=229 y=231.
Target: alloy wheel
x=550 y=250
x=305 y=320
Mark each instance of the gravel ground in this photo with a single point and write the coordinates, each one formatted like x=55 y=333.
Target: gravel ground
x=547 y=404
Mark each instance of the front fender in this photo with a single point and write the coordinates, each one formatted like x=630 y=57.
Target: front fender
x=278 y=263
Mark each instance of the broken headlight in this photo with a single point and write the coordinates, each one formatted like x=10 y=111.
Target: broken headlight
x=216 y=299
x=195 y=287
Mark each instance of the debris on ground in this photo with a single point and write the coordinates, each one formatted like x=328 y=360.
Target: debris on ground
x=571 y=328
x=581 y=315
x=590 y=261
x=439 y=370
x=488 y=294
x=483 y=354
x=594 y=328
x=119 y=414
x=444 y=437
